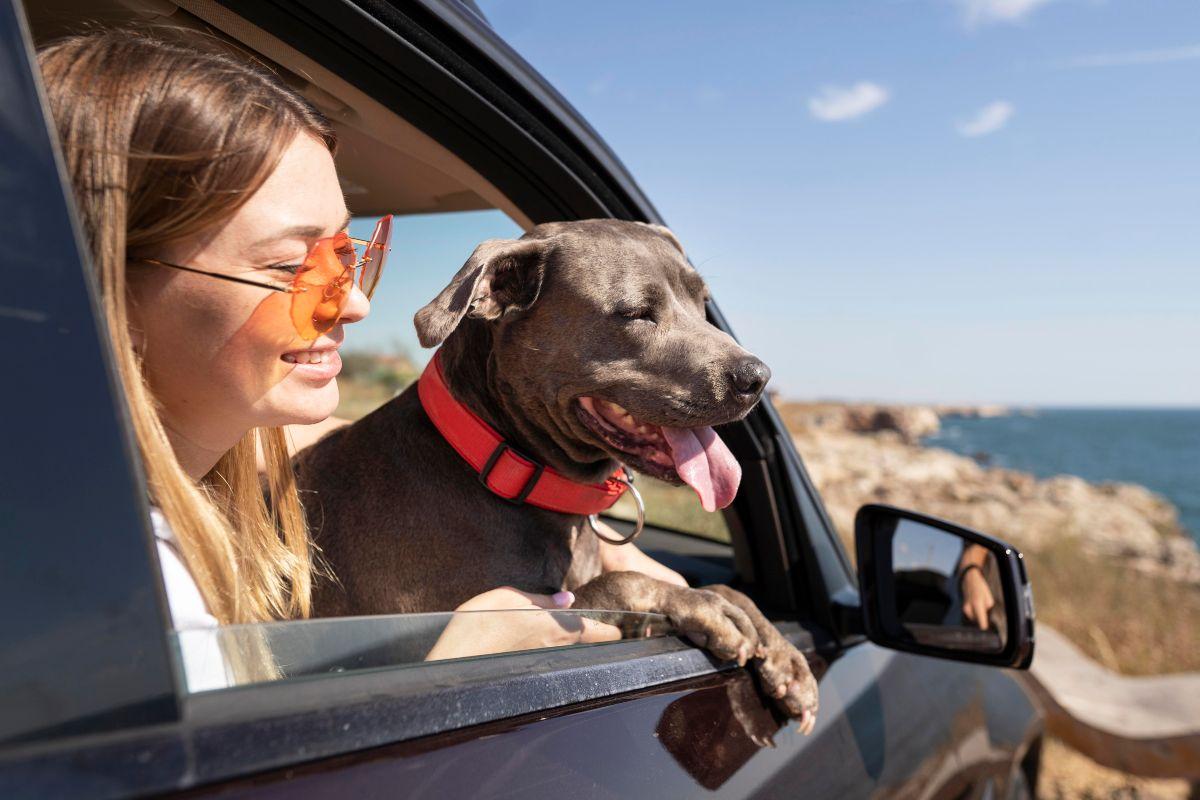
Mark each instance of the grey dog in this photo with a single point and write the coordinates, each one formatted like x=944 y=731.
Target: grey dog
x=584 y=344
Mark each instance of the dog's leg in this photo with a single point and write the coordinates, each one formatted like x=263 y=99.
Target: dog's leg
x=705 y=617
x=783 y=669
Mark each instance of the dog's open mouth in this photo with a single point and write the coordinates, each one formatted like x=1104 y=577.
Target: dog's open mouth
x=695 y=456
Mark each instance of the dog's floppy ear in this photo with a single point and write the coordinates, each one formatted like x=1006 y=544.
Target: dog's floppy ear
x=665 y=232
x=501 y=275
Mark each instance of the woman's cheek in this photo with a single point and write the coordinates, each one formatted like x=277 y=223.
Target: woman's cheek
x=255 y=348
x=276 y=397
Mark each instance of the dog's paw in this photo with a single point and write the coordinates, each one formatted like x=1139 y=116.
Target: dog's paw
x=715 y=624
x=787 y=679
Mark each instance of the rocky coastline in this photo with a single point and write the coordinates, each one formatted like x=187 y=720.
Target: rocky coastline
x=860 y=453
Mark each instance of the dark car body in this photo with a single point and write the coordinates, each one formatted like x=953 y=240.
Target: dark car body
x=92 y=703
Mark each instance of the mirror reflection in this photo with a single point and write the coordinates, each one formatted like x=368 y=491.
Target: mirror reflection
x=947 y=589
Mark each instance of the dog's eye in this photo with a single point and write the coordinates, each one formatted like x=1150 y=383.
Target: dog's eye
x=643 y=314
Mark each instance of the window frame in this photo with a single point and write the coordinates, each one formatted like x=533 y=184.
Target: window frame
x=451 y=76
x=83 y=648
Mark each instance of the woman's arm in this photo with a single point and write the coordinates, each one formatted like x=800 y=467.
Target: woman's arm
x=628 y=558
x=977 y=599
x=530 y=627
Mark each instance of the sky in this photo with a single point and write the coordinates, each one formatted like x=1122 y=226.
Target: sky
x=961 y=201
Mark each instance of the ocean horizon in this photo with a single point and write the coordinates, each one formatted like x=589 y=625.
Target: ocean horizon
x=1156 y=447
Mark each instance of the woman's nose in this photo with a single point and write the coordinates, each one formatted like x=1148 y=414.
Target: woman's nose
x=357 y=306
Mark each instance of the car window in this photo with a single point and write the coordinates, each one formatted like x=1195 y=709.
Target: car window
x=444 y=208
x=240 y=655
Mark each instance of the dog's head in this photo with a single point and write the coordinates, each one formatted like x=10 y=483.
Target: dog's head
x=600 y=350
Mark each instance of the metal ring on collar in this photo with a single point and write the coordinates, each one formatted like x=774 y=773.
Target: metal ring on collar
x=594 y=520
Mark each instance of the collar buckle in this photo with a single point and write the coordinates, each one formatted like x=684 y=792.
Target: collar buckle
x=521 y=496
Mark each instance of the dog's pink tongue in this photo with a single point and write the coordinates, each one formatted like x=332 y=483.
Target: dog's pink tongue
x=705 y=464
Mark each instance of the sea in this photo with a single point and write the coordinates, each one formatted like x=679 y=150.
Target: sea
x=1158 y=448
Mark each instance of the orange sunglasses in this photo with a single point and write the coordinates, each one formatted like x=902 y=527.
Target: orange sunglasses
x=324 y=281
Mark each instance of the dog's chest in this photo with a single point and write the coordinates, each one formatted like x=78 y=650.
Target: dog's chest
x=570 y=557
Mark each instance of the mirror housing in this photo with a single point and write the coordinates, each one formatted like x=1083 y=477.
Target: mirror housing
x=913 y=576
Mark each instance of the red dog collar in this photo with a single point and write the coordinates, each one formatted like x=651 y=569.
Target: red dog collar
x=504 y=470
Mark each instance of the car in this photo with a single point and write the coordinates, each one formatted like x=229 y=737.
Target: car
x=438 y=116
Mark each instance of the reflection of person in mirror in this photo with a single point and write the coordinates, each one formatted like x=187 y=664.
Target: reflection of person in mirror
x=977 y=597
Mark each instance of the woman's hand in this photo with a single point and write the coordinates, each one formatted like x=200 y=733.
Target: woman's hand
x=977 y=599
x=628 y=558
x=532 y=625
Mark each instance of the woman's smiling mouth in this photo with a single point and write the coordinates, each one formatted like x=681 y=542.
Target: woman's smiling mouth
x=316 y=364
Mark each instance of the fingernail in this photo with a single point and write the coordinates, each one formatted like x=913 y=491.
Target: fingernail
x=563 y=599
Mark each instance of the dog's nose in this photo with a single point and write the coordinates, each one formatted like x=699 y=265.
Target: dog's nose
x=749 y=376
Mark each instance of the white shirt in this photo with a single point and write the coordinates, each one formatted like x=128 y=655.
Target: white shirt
x=197 y=631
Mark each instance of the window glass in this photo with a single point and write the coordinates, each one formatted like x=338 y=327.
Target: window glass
x=238 y=655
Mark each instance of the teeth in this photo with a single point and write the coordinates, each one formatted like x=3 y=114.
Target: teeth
x=307 y=357
x=615 y=409
x=615 y=418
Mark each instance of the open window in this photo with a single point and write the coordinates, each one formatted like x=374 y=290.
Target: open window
x=442 y=209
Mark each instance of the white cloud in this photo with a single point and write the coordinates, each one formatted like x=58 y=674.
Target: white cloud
x=983 y=12
x=1163 y=56
x=835 y=104
x=989 y=119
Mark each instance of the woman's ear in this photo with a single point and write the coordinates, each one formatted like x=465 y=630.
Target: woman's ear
x=501 y=275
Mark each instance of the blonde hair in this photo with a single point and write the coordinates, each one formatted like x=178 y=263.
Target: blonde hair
x=164 y=140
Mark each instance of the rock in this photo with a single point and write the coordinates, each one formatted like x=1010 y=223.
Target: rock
x=858 y=456
x=972 y=412
x=909 y=423
x=913 y=423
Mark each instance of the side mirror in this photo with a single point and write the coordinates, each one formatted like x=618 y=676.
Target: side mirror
x=932 y=587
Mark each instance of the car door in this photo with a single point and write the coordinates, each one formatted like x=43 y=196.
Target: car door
x=95 y=704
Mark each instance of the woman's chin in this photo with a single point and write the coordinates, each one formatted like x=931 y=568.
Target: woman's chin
x=308 y=405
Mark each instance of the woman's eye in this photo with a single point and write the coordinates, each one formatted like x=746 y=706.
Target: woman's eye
x=291 y=269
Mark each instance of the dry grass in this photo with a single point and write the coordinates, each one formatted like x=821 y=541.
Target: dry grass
x=1068 y=774
x=359 y=398
x=1130 y=621
x=368 y=380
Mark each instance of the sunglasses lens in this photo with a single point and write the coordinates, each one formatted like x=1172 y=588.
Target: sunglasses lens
x=375 y=255
x=319 y=290
x=343 y=248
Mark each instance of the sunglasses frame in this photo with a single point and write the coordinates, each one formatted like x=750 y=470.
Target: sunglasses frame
x=292 y=289
x=297 y=286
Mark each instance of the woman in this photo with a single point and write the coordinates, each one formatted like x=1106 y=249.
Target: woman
x=210 y=202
